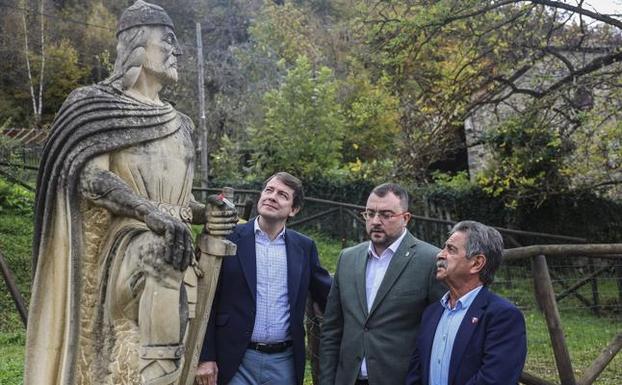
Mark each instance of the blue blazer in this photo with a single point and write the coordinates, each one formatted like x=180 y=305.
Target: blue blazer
x=233 y=312
x=489 y=349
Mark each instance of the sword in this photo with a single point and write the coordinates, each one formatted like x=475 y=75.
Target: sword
x=211 y=249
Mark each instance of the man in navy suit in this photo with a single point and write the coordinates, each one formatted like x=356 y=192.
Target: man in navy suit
x=256 y=334
x=472 y=336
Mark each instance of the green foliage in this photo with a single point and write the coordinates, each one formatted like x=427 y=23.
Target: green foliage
x=460 y=182
x=15 y=198
x=8 y=145
x=434 y=67
x=465 y=199
x=578 y=213
x=12 y=361
x=67 y=74
x=226 y=162
x=328 y=248
x=372 y=130
x=596 y=160
x=288 y=30
x=303 y=127
x=16 y=246
x=528 y=160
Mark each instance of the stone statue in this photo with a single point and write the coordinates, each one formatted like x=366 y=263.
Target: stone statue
x=115 y=271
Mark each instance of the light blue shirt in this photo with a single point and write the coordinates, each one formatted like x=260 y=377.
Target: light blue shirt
x=272 y=317
x=377 y=266
x=445 y=335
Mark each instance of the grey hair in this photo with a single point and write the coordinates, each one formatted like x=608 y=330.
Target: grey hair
x=482 y=239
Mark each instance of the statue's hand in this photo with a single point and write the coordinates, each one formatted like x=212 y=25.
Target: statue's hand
x=222 y=216
x=177 y=238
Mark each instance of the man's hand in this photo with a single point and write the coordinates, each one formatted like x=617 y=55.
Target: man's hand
x=207 y=373
x=222 y=216
x=177 y=238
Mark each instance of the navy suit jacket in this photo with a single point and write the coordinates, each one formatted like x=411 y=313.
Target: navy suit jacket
x=233 y=312
x=489 y=349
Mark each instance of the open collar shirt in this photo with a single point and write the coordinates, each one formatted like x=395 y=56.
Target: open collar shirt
x=272 y=318
x=377 y=266
x=445 y=336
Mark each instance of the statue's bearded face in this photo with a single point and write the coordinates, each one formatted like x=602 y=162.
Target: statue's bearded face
x=161 y=52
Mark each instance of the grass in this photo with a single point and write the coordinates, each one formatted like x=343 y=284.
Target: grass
x=15 y=245
x=12 y=357
x=586 y=335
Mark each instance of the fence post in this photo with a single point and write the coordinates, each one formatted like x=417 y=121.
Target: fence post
x=10 y=283
x=342 y=225
x=600 y=363
x=594 y=283
x=546 y=300
x=313 y=319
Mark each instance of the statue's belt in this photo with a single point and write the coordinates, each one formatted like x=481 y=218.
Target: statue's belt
x=183 y=213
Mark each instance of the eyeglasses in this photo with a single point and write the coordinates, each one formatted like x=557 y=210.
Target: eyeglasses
x=368 y=215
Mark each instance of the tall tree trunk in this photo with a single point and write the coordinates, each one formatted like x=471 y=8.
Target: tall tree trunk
x=37 y=100
x=26 y=55
x=40 y=111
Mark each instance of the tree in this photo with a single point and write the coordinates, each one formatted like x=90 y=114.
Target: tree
x=65 y=75
x=36 y=96
x=303 y=127
x=530 y=162
x=372 y=129
x=546 y=60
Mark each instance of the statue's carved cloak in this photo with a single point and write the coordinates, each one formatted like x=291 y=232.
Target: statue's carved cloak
x=94 y=120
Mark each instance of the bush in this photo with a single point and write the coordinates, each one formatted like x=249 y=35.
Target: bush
x=581 y=214
x=576 y=213
x=15 y=198
x=465 y=200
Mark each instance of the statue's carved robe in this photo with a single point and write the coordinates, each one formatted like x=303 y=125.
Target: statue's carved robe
x=78 y=246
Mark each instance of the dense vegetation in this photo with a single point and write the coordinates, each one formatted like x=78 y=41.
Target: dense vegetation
x=348 y=91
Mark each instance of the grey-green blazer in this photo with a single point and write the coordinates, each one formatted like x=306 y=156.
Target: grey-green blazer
x=386 y=334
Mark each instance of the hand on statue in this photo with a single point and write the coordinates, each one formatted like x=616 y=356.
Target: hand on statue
x=221 y=218
x=207 y=373
x=177 y=238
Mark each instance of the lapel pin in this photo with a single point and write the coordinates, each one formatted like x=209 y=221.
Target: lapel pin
x=474 y=320
x=407 y=253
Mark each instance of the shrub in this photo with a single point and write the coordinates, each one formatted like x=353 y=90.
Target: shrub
x=15 y=198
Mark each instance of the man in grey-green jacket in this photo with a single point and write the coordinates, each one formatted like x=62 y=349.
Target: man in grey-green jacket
x=380 y=290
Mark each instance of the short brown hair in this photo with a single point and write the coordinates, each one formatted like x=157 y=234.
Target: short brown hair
x=292 y=182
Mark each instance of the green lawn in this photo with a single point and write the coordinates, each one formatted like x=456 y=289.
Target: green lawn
x=586 y=334
x=12 y=357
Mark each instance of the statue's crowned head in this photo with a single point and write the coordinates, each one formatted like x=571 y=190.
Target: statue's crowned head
x=146 y=42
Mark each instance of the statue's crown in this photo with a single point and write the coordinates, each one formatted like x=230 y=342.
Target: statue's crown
x=143 y=13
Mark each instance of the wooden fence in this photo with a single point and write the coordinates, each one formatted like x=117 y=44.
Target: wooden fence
x=548 y=303
x=344 y=220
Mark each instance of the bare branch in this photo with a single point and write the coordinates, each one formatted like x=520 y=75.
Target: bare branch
x=581 y=11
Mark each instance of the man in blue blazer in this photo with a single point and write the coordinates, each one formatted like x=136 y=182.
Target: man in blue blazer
x=256 y=333
x=472 y=336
